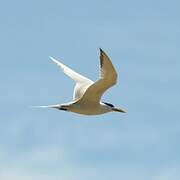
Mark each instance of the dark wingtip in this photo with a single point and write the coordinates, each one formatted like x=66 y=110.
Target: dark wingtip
x=101 y=51
x=101 y=57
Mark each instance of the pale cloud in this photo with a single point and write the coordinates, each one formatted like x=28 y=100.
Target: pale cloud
x=18 y=174
x=72 y=173
x=168 y=174
x=49 y=163
x=81 y=173
x=45 y=154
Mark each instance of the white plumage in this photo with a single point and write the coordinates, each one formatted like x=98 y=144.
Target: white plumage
x=87 y=94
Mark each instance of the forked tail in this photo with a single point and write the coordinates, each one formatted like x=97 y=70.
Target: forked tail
x=57 y=106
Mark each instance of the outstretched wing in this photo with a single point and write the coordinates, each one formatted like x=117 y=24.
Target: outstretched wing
x=82 y=83
x=108 y=78
x=71 y=73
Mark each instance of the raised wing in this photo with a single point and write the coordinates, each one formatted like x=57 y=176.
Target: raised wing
x=108 y=78
x=82 y=83
x=69 y=72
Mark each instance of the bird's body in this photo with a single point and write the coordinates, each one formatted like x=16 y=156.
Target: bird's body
x=85 y=108
x=87 y=94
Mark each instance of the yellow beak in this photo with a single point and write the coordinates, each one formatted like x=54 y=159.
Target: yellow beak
x=119 y=110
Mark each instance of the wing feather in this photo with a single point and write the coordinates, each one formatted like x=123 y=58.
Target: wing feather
x=71 y=73
x=108 y=78
x=82 y=83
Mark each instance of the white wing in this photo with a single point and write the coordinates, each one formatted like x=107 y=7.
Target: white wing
x=82 y=83
x=108 y=78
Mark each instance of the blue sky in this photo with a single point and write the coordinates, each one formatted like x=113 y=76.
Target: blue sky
x=142 y=39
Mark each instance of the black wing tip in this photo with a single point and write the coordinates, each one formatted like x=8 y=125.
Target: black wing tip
x=101 y=51
x=101 y=57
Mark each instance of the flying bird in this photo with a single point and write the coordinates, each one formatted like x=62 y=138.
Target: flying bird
x=87 y=94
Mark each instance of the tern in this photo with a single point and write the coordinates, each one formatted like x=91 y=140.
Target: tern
x=87 y=94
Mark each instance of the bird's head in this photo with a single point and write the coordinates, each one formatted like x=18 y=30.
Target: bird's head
x=112 y=108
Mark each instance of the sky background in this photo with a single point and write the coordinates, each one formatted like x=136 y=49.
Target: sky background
x=143 y=40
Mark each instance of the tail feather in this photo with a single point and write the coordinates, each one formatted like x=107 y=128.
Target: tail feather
x=48 y=106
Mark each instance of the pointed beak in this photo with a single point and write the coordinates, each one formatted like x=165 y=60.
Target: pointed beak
x=119 y=110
